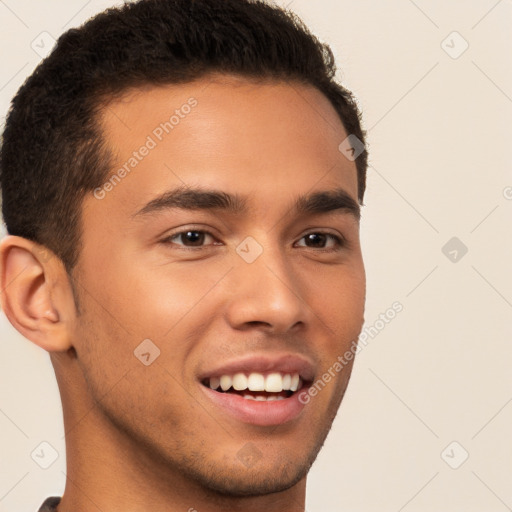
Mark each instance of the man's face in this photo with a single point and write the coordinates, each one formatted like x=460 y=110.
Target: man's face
x=265 y=289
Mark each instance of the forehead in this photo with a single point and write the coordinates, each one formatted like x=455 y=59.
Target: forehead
x=276 y=139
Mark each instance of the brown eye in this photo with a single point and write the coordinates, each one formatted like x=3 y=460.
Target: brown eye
x=319 y=240
x=189 y=238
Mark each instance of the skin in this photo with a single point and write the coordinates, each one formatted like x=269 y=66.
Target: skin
x=146 y=437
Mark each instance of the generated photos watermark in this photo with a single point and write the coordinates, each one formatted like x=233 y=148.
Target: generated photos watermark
x=367 y=334
x=152 y=141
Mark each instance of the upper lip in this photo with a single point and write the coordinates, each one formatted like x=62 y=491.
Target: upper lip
x=260 y=363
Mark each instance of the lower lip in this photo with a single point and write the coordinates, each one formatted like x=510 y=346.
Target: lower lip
x=274 y=412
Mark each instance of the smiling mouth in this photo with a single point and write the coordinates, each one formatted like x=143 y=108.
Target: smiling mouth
x=257 y=386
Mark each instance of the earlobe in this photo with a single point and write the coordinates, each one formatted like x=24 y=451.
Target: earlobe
x=35 y=293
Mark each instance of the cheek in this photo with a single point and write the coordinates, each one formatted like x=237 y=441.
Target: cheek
x=339 y=300
x=133 y=394
x=103 y=346
x=148 y=300
x=160 y=298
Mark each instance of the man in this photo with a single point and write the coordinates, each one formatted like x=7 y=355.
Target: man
x=181 y=184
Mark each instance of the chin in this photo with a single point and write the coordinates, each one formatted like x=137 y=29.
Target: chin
x=247 y=482
x=223 y=477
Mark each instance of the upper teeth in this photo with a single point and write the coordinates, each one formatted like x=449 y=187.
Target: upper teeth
x=273 y=382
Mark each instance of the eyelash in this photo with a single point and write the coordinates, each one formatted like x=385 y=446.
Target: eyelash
x=340 y=241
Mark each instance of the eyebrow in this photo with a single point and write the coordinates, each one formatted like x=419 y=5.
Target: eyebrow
x=190 y=198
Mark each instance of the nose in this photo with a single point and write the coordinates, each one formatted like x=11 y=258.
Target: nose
x=267 y=294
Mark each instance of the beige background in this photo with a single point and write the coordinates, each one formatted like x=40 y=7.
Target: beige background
x=440 y=133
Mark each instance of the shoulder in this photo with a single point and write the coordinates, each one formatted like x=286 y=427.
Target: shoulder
x=50 y=504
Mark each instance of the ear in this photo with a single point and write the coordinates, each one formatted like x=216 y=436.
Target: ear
x=36 y=294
